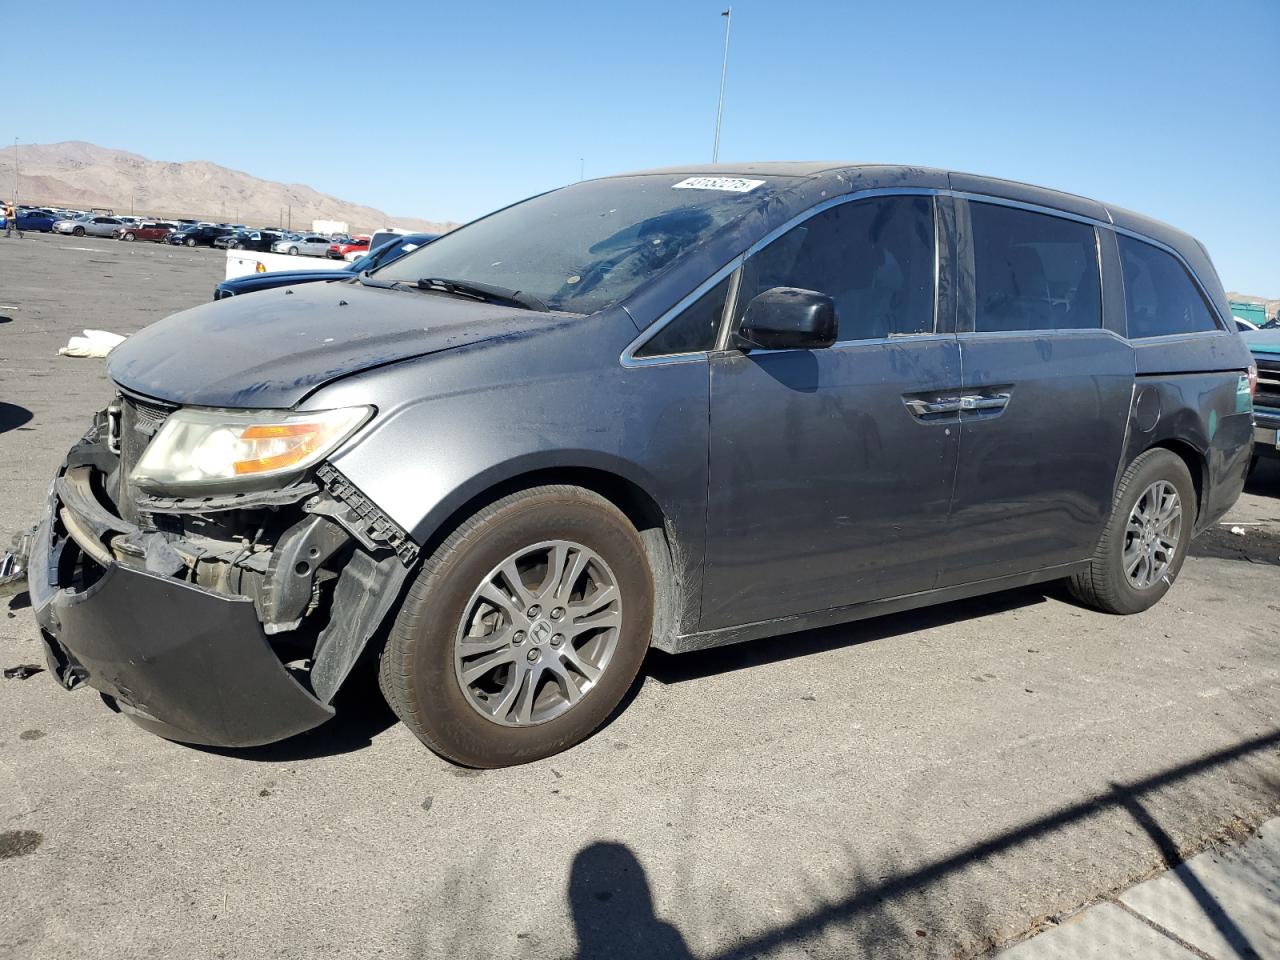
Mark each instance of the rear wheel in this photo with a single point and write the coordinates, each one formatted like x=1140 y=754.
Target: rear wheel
x=1145 y=541
x=523 y=630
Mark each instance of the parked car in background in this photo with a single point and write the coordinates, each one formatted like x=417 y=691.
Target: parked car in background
x=90 y=225
x=258 y=240
x=342 y=249
x=145 y=230
x=40 y=221
x=385 y=254
x=1264 y=344
x=198 y=236
x=309 y=245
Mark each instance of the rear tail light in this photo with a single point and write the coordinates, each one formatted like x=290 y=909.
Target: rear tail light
x=1253 y=381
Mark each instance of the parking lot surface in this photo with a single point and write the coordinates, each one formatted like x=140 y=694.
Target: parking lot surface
x=929 y=784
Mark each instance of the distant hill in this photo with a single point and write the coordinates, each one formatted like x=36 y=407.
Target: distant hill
x=82 y=175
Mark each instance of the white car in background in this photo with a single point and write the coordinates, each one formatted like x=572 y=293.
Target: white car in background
x=91 y=225
x=306 y=244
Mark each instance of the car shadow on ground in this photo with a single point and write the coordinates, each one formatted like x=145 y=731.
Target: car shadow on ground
x=360 y=714
x=667 y=668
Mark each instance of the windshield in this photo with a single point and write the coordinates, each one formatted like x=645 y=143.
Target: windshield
x=589 y=245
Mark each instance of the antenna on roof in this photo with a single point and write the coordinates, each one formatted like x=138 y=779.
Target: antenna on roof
x=724 y=69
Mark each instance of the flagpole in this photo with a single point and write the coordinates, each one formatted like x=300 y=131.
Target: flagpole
x=724 y=69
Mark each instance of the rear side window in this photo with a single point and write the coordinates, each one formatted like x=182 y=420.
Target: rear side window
x=1159 y=295
x=1034 y=271
x=695 y=329
x=874 y=258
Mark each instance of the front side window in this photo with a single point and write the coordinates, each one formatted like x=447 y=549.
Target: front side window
x=1159 y=295
x=695 y=329
x=590 y=245
x=874 y=258
x=1034 y=271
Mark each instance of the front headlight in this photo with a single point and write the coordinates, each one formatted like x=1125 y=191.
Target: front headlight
x=196 y=447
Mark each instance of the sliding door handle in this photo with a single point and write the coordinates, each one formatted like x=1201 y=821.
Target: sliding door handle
x=924 y=408
x=996 y=401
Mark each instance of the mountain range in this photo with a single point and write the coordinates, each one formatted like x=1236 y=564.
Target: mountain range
x=82 y=175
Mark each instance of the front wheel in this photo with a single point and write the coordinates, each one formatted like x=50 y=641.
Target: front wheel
x=78 y=231
x=191 y=241
x=1145 y=541
x=523 y=630
x=293 y=251
x=130 y=237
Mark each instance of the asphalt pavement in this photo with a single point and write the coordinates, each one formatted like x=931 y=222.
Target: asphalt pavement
x=932 y=784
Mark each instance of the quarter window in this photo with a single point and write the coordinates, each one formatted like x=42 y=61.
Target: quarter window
x=1033 y=271
x=875 y=259
x=694 y=330
x=1160 y=297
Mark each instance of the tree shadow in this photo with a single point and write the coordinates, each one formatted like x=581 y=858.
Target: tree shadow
x=13 y=416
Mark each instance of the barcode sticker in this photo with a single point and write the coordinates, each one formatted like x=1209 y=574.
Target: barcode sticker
x=731 y=184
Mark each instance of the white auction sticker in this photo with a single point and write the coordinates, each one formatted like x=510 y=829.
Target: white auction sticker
x=732 y=184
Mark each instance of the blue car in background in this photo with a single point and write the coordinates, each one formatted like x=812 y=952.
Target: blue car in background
x=380 y=257
x=39 y=220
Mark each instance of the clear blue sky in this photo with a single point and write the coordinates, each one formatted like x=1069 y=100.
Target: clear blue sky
x=447 y=110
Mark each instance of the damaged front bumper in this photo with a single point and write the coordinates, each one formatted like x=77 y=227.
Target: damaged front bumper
x=197 y=632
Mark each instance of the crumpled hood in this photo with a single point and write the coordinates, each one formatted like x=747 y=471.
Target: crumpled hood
x=272 y=349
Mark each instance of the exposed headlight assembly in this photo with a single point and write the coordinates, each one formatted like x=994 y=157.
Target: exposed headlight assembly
x=198 y=447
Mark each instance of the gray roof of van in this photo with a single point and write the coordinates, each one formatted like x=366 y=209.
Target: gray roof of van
x=865 y=176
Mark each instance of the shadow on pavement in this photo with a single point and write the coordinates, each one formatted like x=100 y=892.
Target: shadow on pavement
x=613 y=908
x=668 y=668
x=613 y=914
x=1169 y=850
x=361 y=714
x=13 y=416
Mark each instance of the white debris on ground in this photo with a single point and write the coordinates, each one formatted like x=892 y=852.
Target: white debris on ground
x=94 y=343
x=1238 y=531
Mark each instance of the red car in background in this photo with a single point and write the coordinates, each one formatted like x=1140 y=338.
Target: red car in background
x=144 y=231
x=339 y=251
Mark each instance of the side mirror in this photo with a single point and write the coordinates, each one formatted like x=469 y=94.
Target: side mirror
x=787 y=318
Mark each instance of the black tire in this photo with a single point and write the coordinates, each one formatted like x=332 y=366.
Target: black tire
x=130 y=237
x=1105 y=586
x=191 y=242
x=78 y=232
x=293 y=251
x=416 y=672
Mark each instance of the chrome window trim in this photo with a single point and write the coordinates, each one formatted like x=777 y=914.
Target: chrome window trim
x=628 y=358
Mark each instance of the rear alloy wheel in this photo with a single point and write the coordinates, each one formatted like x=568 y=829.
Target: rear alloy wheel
x=1145 y=541
x=523 y=630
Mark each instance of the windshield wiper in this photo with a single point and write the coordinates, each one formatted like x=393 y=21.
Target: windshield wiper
x=368 y=281
x=487 y=292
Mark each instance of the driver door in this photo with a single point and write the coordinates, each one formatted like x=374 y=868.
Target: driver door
x=830 y=475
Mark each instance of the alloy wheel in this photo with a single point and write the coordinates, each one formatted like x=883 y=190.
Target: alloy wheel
x=1152 y=534
x=537 y=633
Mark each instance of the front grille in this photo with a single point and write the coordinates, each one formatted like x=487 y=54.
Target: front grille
x=1268 y=394
x=140 y=420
